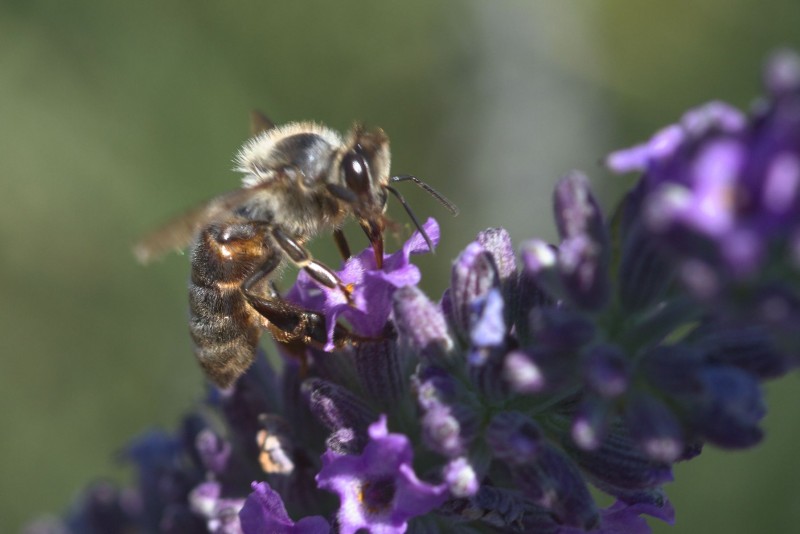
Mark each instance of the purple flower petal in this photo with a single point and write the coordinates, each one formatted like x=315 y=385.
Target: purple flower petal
x=372 y=288
x=488 y=328
x=263 y=511
x=378 y=489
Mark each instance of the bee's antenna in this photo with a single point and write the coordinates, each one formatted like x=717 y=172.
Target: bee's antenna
x=402 y=200
x=431 y=191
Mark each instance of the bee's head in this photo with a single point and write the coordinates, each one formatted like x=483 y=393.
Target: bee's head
x=364 y=182
x=363 y=174
x=364 y=171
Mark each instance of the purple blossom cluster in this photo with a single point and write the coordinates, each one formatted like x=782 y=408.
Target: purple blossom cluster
x=541 y=372
x=720 y=193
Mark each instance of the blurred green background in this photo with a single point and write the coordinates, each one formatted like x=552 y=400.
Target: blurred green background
x=116 y=116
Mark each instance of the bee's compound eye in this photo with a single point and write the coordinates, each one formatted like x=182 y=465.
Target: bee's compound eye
x=356 y=173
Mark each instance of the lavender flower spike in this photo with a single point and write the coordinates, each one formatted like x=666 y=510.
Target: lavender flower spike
x=722 y=190
x=601 y=361
x=378 y=489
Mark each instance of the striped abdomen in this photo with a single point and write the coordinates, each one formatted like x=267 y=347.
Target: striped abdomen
x=224 y=327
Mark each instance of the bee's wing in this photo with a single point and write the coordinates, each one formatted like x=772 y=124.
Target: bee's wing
x=178 y=233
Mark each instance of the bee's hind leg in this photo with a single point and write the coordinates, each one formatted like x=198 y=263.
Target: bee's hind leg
x=289 y=323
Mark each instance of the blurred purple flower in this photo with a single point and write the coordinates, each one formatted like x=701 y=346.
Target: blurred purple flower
x=221 y=513
x=624 y=518
x=263 y=511
x=723 y=189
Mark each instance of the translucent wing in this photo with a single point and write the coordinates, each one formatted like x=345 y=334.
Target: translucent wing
x=178 y=233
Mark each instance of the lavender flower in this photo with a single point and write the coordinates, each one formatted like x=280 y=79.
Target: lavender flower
x=378 y=488
x=263 y=511
x=599 y=361
x=720 y=191
x=373 y=287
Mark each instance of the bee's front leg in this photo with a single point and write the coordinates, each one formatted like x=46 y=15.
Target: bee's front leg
x=341 y=244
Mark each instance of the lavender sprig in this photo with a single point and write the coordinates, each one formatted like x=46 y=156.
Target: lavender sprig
x=599 y=361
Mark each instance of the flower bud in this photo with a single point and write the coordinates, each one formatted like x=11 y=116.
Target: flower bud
x=729 y=408
x=606 y=370
x=422 y=323
x=590 y=423
x=474 y=274
x=554 y=482
x=654 y=427
x=619 y=462
x=339 y=410
x=514 y=437
x=584 y=251
x=460 y=478
x=497 y=243
x=379 y=370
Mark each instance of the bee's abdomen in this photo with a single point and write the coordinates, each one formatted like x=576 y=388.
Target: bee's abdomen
x=225 y=331
x=224 y=327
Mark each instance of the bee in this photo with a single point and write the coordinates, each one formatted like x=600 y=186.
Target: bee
x=299 y=180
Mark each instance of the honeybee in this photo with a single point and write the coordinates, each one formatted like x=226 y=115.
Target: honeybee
x=300 y=179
